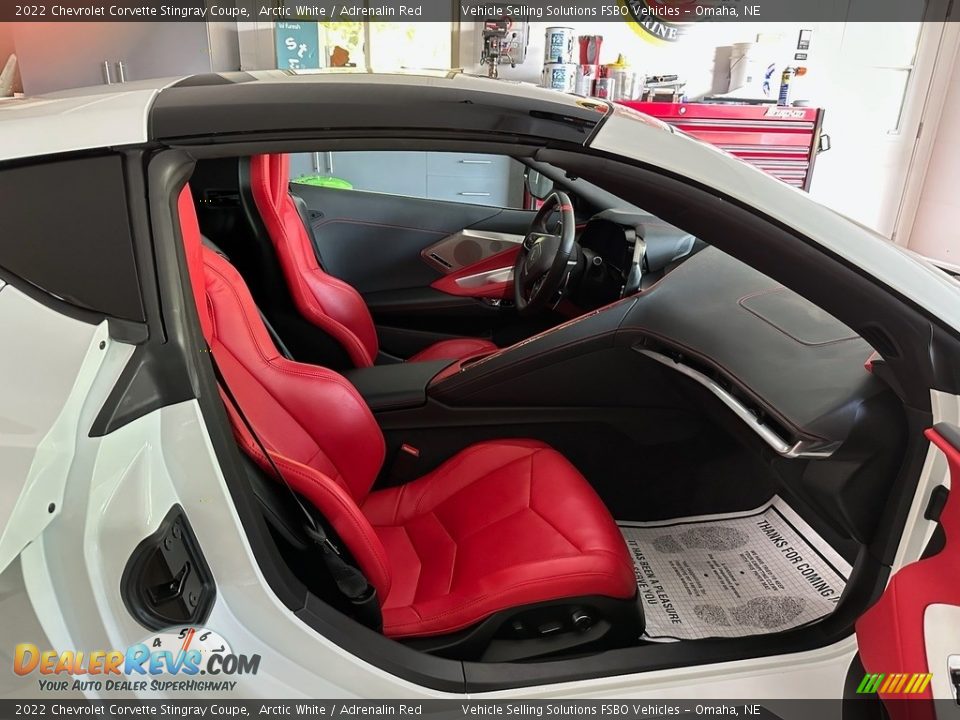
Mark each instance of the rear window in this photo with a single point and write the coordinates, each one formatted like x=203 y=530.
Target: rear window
x=66 y=231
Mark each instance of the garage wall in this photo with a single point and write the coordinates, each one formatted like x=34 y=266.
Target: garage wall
x=936 y=227
x=59 y=55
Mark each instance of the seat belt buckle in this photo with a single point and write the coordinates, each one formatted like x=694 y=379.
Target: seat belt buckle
x=404 y=465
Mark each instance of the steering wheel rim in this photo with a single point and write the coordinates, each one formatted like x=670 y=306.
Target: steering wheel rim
x=541 y=267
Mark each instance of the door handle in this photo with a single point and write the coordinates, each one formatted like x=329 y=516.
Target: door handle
x=172 y=589
x=474 y=194
x=476 y=162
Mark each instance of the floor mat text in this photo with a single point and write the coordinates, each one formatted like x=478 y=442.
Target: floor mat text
x=733 y=575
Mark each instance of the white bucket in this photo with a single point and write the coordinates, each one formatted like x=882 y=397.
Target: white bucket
x=558 y=45
x=745 y=70
x=559 y=76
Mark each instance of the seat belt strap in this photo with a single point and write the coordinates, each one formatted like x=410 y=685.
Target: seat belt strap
x=350 y=581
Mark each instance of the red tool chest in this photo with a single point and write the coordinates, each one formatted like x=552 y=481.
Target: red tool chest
x=782 y=141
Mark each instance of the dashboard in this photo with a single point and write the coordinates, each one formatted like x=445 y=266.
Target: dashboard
x=607 y=244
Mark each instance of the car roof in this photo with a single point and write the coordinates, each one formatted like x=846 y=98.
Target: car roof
x=264 y=103
x=211 y=104
x=77 y=119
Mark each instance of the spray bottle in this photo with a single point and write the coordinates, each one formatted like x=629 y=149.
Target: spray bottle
x=788 y=74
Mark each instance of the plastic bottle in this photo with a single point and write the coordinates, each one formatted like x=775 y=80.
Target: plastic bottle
x=788 y=74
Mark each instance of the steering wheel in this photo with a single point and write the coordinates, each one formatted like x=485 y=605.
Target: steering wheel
x=541 y=266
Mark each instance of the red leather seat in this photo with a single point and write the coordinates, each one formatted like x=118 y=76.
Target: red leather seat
x=501 y=524
x=327 y=302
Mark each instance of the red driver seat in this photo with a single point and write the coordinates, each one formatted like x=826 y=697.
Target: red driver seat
x=327 y=302
x=500 y=525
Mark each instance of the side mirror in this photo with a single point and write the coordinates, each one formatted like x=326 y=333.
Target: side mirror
x=538 y=184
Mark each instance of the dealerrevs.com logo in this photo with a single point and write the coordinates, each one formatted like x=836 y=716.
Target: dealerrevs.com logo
x=171 y=661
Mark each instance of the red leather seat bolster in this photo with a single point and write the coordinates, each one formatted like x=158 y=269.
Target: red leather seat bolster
x=193 y=249
x=324 y=300
x=501 y=524
x=333 y=502
x=305 y=412
x=456 y=349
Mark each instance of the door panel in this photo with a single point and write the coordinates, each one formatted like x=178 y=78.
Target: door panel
x=375 y=241
x=49 y=363
x=491 y=277
x=415 y=260
x=892 y=633
x=467 y=249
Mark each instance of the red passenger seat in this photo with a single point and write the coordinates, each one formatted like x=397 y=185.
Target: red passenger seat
x=502 y=524
x=329 y=303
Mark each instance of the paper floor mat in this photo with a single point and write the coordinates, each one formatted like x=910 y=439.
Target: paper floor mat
x=733 y=575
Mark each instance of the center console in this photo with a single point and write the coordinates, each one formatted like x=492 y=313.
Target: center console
x=397 y=386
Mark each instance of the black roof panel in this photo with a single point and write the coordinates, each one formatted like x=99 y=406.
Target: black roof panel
x=269 y=102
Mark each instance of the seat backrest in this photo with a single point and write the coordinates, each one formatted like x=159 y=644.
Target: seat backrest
x=318 y=430
x=327 y=302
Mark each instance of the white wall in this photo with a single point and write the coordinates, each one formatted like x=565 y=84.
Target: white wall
x=936 y=228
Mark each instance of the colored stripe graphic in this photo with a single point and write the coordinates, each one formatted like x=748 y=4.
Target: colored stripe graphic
x=894 y=683
x=870 y=683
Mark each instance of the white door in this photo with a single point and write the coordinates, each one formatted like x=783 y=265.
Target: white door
x=875 y=102
x=48 y=364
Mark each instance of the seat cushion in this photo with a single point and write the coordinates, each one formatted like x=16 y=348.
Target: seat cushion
x=456 y=349
x=501 y=524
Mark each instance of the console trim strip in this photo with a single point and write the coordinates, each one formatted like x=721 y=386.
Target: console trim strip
x=807 y=449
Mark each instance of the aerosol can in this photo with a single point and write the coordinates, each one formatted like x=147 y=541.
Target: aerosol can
x=785 y=80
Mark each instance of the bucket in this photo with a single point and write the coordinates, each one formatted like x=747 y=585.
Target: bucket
x=745 y=70
x=558 y=45
x=559 y=76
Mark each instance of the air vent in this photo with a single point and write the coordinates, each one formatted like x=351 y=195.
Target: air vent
x=440 y=261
